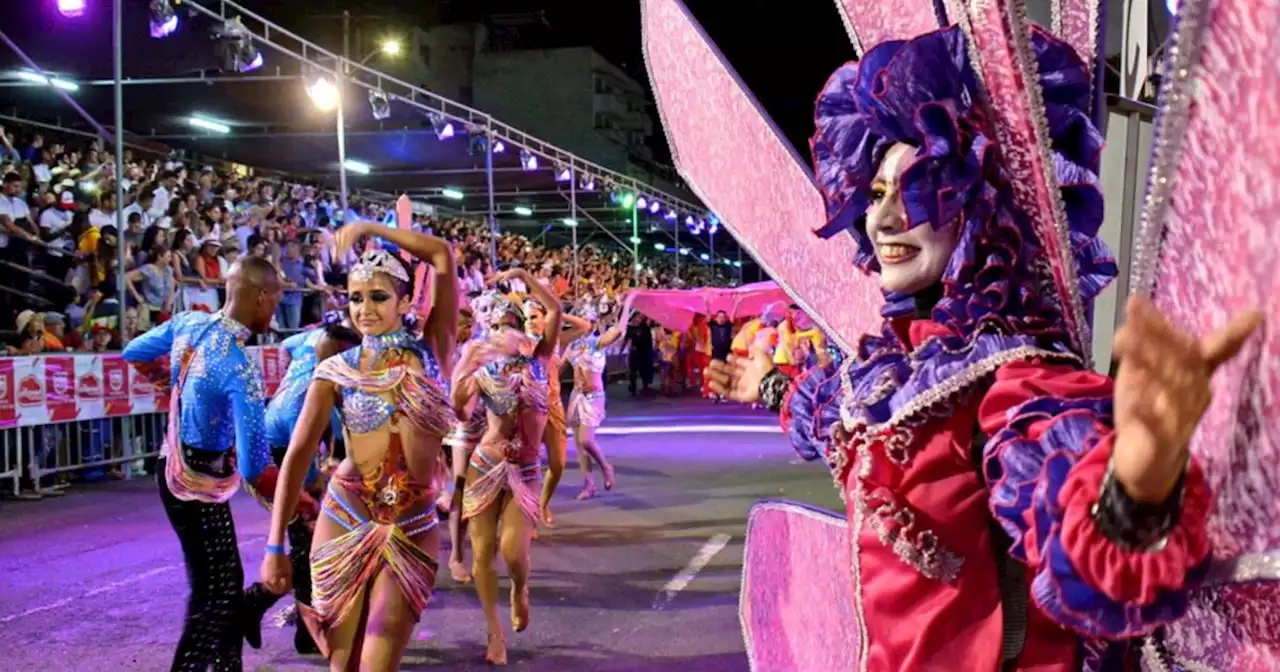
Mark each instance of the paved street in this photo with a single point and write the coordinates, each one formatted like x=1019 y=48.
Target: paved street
x=94 y=580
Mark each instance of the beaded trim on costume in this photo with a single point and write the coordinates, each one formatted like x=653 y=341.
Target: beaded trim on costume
x=379 y=343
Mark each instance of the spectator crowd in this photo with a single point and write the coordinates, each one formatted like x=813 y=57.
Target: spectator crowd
x=184 y=224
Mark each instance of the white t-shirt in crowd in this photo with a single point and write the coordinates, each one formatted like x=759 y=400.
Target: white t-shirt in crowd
x=100 y=219
x=146 y=216
x=160 y=205
x=16 y=208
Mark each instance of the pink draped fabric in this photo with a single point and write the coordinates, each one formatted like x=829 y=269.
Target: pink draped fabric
x=676 y=308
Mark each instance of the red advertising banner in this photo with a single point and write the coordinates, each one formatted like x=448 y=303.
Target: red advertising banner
x=8 y=394
x=117 y=398
x=62 y=388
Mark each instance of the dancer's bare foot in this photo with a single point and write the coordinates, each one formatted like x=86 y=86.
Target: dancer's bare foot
x=458 y=570
x=497 y=652
x=608 y=475
x=520 y=610
x=588 y=490
x=548 y=518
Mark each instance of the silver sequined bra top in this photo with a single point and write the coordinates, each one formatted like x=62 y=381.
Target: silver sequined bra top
x=421 y=396
x=512 y=383
x=585 y=353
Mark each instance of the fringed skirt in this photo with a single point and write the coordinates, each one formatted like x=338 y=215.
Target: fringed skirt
x=586 y=409
x=344 y=565
x=511 y=475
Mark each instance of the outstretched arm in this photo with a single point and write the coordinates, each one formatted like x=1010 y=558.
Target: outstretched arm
x=549 y=301
x=619 y=329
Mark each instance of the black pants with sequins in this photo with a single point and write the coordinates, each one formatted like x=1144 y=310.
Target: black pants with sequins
x=212 y=633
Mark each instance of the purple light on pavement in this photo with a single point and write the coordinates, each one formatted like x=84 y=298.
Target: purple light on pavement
x=71 y=8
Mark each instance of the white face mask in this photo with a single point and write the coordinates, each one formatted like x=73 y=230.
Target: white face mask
x=910 y=259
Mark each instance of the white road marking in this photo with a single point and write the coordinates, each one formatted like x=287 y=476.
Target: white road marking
x=106 y=588
x=700 y=560
x=687 y=429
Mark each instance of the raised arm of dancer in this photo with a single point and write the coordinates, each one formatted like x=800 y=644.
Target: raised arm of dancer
x=577 y=328
x=619 y=329
x=149 y=351
x=441 y=331
x=555 y=312
x=276 y=572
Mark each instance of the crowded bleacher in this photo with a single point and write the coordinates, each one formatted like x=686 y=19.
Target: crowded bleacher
x=186 y=221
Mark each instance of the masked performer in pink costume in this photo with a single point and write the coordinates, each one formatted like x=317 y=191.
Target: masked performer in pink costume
x=374 y=555
x=587 y=402
x=1008 y=508
x=507 y=373
x=554 y=436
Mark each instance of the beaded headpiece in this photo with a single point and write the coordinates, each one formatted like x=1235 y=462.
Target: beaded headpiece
x=379 y=261
x=492 y=305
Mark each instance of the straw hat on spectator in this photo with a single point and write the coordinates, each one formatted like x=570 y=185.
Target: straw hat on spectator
x=210 y=240
x=24 y=318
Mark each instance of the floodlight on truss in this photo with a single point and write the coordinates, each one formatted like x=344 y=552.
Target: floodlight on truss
x=379 y=104
x=528 y=160
x=654 y=207
x=588 y=183
x=71 y=8
x=357 y=166
x=236 y=48
x=163 y=19
x=37 y=78
x=322 y=91
x=443 y=127
x=563 y=173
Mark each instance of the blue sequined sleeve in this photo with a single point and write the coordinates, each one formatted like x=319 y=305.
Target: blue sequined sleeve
x=811 y=409
x=150 y=345
x=248 y=411
x=294 y=342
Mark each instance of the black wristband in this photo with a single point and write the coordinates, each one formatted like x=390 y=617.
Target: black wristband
x=1134 y=525
x=773 y=389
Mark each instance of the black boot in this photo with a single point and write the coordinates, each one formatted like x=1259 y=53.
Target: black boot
x=257 y=600
x=302 y=641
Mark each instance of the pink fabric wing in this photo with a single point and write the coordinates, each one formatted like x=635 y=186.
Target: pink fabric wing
x=870 y=22
x=1207 y=242
x=737 y=163
x=796 y=604
x=1000 y=48
x=676 y=308
x=671 y=308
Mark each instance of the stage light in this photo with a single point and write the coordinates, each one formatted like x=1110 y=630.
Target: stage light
x=684 y=251
x=235 y=46
x=670 y=216
x=391 y=47
x=703 y=256
x=380 y=105
x=64 y=84
x=523 y=210
x=626 y=201
x=654 y=207
x=737 y=264
x=499 y=147
x=569 y=221
x=713 y=227
x=442 y=127
x=163 y=19
x=71 y=8
x=635 y=240
x=1172 y=6
x=588 y=183
x=209 y=124
x=660 y=247
x=324 y=93
x=688 y=221
x=563 y=174
x=528 y=160
x=641 y=203
x=453 y=194
x=357 y=166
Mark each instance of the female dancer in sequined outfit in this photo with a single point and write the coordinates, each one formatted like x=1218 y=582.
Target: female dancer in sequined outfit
x=507 y=373
x=374 y=555
x=587 y=402
x=554 y=437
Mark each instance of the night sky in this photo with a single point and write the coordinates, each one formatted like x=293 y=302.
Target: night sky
x=783 y=56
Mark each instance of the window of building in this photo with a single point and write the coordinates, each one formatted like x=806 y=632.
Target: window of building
x=600 y=86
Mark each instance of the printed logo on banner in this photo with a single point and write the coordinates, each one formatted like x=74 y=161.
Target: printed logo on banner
x=88 y=380
x=8 y=398
x=270 y=370
x=30 y=387
x=60 y=388
x=116 y=397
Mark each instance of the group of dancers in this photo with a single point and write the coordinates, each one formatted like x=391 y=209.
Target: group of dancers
x=416 y=409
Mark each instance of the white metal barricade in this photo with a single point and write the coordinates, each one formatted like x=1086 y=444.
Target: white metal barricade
x=44 y=459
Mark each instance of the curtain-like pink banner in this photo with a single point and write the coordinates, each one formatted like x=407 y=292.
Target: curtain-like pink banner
x=676 y=308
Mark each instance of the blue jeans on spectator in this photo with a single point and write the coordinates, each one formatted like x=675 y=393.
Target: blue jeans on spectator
x=289 y=313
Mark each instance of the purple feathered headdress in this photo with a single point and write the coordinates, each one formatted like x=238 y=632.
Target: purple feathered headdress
x=923 y=92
